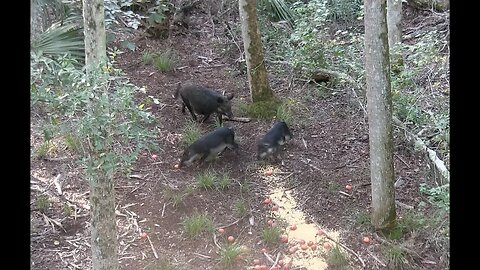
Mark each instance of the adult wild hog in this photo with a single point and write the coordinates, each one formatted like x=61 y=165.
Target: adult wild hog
x=205 y=101
x=209 y=146
x=278 y=135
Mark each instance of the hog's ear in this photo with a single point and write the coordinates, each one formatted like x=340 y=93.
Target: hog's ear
x=230 y=96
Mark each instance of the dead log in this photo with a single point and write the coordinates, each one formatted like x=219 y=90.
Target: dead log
x=438 y=164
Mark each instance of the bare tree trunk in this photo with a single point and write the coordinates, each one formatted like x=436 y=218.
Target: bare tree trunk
x=36 y=24
x=394 y=20
x=94 y=30
x=438 y=5
x=102 y=193
x=257 y=73
x=379 y=109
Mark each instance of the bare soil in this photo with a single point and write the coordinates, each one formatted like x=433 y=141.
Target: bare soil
x=329 y=150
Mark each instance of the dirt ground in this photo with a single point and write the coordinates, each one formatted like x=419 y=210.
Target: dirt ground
x=329 y=150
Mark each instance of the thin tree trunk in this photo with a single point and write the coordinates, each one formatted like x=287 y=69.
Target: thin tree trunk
x=94 y=30
x=102 y=193
x=379 y=109
x=257 y=73
x=103 y=224
x=394 y=23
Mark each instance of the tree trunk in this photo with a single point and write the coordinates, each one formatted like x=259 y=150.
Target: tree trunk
x=257 y=73
x=103 y=225
x=102 y=193
x=438 y=5
x=379 y=109
x=394 y=20
x=36 y=24
x=94 y=30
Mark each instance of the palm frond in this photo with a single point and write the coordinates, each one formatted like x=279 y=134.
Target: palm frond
x=61 y=39
x=283 y=12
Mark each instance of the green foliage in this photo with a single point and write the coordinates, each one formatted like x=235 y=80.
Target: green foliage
x=286 y=110
x=197 y=224
x=229 y=254
x=278 y=10
x=263 y=109
x=333 y=186
x=438 y=196
x=396 y=257
x=191 y=133
x=60 y=39
x=42 y=202
x=101 y=112
x=68 y=210
x=176 y=197
x=224 y=182
x=271 y=235
x=147 y=57
x=44 y=149
x=241 y=208
x=207 y=180
x=73 y=143
x=418 y=98
x=363 y=219
x=165 y=60
x=336 y=258
x=344 y=11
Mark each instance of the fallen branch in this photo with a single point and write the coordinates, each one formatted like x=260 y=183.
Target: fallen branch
x=231 y=224
x=327 y=72
x=237 y=119
x=403 y=205
x=153 y=248
x=56 y=181
x=432 y=155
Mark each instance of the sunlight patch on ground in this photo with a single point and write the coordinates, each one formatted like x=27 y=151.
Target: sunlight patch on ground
x=309 y=259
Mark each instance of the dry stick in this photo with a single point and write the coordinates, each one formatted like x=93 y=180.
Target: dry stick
x=203 y=256
x=432 y=155
x=56 y=181
x=215 y=241
x=397 y=156
x=163 y=210
x=270 y=258
x=374 y=257
x=276 y=260
x=342 y=245
x=139 y=186
x=153 y=248
x=344 y=193
x=237 y=119
x=231 y=224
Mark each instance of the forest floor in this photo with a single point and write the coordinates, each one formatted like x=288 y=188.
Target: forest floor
x=329 y=150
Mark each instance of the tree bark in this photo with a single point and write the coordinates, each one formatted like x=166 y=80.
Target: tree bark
x=103 y=224
x=94 y=30
x=379 y=109
x=394 y=20
x=257 y=73
x=102 y=193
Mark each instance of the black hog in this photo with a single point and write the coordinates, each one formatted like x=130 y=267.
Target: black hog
x=278 y=135
x=209 y=146
x=202 y=100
